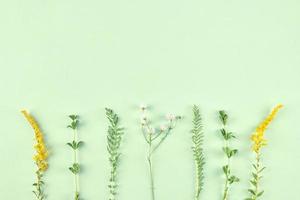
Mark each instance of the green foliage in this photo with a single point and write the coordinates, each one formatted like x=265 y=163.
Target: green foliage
x=74 y=123
x=38 y=192
x=75 y=145
x=75 y=169
x=255 y=192
x=226 y=135
x=197 y=139
x=114 y=137
x=77 y=196
x=223 y=117
x=229 y=153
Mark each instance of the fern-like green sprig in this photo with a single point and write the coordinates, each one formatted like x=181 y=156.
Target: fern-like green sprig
x=114 y=137
x=155 y=138
x=197 y=139
x=229 y=153
x=75 y=145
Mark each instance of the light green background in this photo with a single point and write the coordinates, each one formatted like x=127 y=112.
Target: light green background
x=63 y=57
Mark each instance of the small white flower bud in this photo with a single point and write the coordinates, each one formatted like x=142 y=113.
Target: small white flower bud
x=151 y=130
x=143 y=107
x=163 y=127
x=170 y=117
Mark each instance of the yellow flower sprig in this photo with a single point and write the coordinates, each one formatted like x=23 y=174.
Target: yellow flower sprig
x=258 y=142
x=258 y=136
x=40 y=157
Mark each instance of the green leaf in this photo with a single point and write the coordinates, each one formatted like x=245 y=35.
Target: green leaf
x=226 y=169
x=233 y=152
x=262 y=169
x=79 y=144
x=259 y=194
x=224 y=133
x=74 y=123
x=254 y=183
x=255 y=176
x=70 y=144
x=233 y=179
x=223 y=116
x=251 y=191
x=73 y=117
x=227 y=151
x=75 y=169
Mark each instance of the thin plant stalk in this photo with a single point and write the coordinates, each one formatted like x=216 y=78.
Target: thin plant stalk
x=229 y=153
x=151 y=167
x=76 y=176
x=154 y=139
x=75 y=144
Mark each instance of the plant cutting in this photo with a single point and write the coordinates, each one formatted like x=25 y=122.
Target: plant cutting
x=114 y=138
x=75 y=145
x=197 y=148
x=258 y=140
x=229 y=153
x=40 y=157
x=154 y=137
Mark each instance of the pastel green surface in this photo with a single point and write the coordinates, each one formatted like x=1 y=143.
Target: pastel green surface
x=64 y=57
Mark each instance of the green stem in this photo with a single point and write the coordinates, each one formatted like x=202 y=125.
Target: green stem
x=226 y=187
x=151 y=167
x=197 y=185
x=76 y=161
x=39 y=193
x=257 y=176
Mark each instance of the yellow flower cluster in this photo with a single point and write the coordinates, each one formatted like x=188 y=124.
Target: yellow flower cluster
x=258 y=136
x=41 y=151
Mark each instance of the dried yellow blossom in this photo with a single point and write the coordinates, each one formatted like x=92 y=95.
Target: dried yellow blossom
x=41 y=151
x=258 y=136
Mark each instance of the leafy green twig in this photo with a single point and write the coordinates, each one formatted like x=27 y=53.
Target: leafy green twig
x=197 y=139
x=259 y=142
x=114 y=137
x=155 y=138
x=256 y=176
x=229 y=153
x=75 y=145
x=40 y=157
x=38 y=186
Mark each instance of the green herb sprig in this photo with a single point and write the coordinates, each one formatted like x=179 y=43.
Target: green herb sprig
x=255 y=192
x=154 y=138
x=39 y=193
x=197 y=139
x=40 y=157
x=114 y=137
x=229 y=153
x=258 y=142
x=75 y=145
